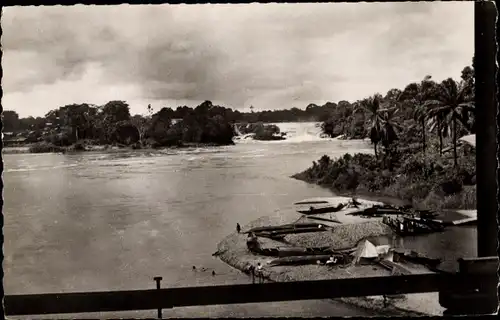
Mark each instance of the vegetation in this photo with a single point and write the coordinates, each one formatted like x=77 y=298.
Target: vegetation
x=112 y=124
x=261 y=131
x=408 y=128
x=77 y=126
x=412 y=126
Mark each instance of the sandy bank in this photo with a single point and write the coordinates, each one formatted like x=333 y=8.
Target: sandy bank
x=233 y=251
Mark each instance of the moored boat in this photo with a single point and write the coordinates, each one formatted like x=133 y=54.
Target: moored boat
x=284 y=227
x=319 y=228
x=412 y=226
x=293 y=251
x=298 y=260
x=322 y=209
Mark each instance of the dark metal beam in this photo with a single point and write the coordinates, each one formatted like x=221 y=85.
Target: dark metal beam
x=231 y=294
x=486 y=115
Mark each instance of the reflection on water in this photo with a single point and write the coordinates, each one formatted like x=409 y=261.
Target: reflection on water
x=449 y=245
x=113 y=221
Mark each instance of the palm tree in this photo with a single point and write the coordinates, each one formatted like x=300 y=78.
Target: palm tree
x=371 y=105
x=388 y=131
x=449 y=104
x=468 y=114
x=420 y=115
x=417 y=95
x=438 y=122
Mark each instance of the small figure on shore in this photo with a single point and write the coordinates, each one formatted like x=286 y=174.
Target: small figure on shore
x=213 y=272
x=252 y=241
x=250 y=269
x=355 y=202
x=238 y=228
x=259 y=273
x=194 y=268
x=331 y=261
x=253 y=273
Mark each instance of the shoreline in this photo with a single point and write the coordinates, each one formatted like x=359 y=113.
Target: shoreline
x=432 y=201
x=424 y=181
x=106 y=148
x=232 y=250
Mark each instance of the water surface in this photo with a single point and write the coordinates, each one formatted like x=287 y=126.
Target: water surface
x=113 y=221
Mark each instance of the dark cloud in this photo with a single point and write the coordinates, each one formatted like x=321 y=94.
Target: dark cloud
x=268 y=55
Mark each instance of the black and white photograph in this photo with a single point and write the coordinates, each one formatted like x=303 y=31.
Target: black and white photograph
x=249 y=160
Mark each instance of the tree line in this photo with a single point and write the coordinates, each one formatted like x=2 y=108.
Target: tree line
x=112 y=123
x=445 y=108
x=401 y=117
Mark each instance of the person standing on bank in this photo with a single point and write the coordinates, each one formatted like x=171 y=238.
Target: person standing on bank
x=238 y=228
x=251 y=270
x=259 y=273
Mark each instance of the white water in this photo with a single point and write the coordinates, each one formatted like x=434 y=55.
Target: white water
x=296 y=132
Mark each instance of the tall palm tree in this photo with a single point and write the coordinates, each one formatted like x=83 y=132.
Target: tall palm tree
x=417 y=94
x=436 y=123
x=450 y=101
x=468 y=114
x=388 y=131
x=371 y=105
x=420 y=115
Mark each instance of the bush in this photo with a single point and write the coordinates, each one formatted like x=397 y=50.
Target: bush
x=136 y=146
x=346 y=181
x=416 y=191
x=266 y=132
x=466 y=199
x=44 y=147
x=59 y=139
x=79 y=146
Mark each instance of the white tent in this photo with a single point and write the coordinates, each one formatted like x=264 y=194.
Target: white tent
x=365 y=251
x=470 y=139
x=383 y=249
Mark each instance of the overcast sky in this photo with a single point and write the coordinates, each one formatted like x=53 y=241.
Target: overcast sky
x=271 y=56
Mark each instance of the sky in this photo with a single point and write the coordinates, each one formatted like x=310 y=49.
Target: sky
x=270 y=56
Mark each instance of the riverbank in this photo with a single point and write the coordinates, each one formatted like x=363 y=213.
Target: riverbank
x=233 y=251
x=426 y=181
x=48 y=148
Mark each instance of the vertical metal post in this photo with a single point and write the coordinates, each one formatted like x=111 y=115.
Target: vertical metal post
x=486 y=114
x=158 y=286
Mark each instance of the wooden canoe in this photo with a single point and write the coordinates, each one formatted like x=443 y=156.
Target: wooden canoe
x=299 y=260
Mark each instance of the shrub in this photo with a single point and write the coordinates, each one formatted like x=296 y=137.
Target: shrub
x=419 y=190
x=136 y=146
x=463 y=200
x=346 y=181
x=433 y=201
x=79 y=146
x=44 y=147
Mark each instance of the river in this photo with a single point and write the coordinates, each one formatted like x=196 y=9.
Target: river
x=112 y=221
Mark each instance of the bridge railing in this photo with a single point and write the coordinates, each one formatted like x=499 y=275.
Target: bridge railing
x=165 y=298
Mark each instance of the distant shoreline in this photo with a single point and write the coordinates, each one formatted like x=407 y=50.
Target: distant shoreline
x=103 y=148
